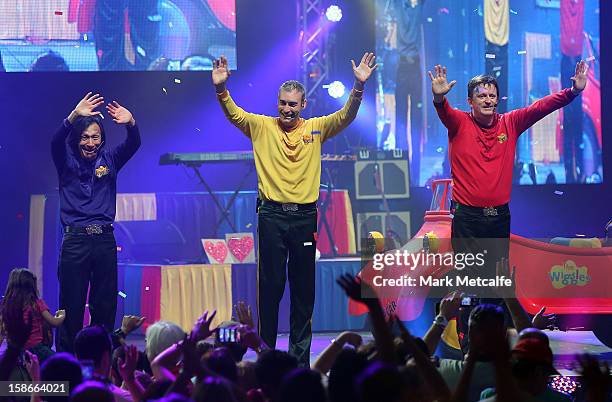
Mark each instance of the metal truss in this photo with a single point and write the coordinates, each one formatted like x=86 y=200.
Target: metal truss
x=314 y=41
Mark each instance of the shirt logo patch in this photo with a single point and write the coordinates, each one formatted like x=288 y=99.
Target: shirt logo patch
x=502 y=138
x=308 y=138
x=102 y=171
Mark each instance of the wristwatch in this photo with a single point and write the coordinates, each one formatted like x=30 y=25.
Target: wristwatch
x=441 y=321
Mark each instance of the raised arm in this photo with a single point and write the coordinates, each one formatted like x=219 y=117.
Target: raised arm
x=439 y=84
x=243 y=120
x=528 y=116
x=332 y=124
x=86 y=107
x=440 y=87
x=124 y=151
x=220 y=74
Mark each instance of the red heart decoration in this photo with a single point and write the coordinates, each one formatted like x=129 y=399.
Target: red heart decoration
x=240 y=248
x=217 y=250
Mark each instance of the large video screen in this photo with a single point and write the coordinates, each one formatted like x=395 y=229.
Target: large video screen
x=530 y=46
x=116 y=35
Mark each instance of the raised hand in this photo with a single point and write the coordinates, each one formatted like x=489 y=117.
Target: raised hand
x=61 y=314
x=544 y=321
x=130 y=323
x=595 y=376
x=201 y=330
x=356 y=289
x=87 y=106
x=127 y=364
x=502 y=268
x=221 y=71
x=119 y=114
x=439 y=84
x=580 y=76
x=32 y=365
x=244 y=315
x=450 y=304
x=365 y=68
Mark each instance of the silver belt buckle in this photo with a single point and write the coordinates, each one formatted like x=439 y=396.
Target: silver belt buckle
x=489 y=211
x=93 y=229
x=289 y=207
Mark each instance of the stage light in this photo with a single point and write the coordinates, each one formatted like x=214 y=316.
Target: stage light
x=335 y=89
x=333 y=13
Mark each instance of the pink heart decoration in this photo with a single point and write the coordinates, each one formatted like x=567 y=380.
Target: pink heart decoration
x=217 y=250
x=240 y=248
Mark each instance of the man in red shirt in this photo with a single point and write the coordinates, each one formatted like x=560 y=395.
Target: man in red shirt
x=482 y=145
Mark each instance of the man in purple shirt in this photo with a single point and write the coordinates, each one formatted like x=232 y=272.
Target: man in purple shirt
x=87 y=173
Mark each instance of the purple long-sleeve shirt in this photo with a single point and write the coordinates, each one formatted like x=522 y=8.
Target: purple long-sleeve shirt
x=88 y=189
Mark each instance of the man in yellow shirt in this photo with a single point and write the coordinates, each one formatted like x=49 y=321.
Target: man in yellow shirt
x=287 y=153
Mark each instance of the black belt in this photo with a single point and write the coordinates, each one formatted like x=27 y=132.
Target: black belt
x=485 y=211
x=92 y=229
x=287 y=206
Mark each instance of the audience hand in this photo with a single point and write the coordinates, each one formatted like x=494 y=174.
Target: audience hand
x=450 y=304
x=544 y=321
x=201 y=330
x=127 y=364
x=243 y=314
x=351 y=338
x=356 y=289
x=32 y=365
x=130 y=323
x=596 y=377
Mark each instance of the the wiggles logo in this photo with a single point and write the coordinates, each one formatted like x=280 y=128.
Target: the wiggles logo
x=569 y=274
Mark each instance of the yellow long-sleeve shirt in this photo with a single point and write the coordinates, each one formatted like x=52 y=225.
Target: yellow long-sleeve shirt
x=288 y=164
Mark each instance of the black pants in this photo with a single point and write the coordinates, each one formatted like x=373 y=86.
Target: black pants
x=287 y=244
x=473 y=232
x=86 y=260
x=408 y=83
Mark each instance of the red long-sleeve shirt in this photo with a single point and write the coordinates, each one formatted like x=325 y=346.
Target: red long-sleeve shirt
x=482 y=158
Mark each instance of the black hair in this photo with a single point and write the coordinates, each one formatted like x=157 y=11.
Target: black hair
x=272 y=366
x=481 y=80
x=81 y=124
x=61 y=367
x=302 y=385
x=91 y=343
x=486 y=313
x=49 y=61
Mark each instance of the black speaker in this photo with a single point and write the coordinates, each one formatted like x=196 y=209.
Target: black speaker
x=394 y=226
x=379 y=172
x=158 y=241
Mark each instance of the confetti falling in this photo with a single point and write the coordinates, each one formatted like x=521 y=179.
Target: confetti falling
x=122 y=294
x=85 y=37
x=146 y=288
x=557 y=192
x=497 y=68
x=439 y=150
x=59 y=13
x=154 y=18
x=164 y=89
x=248 y=225
x=465 y=47
x=198 y=130
x=592 y=58
x=489 y=56
x=513 y=12
x=429 y=19
x=521 y=52
x=177 y=81
x=443 y=10
x=141 y=51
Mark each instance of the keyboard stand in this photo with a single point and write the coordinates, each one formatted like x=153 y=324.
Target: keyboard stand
x=224 y=210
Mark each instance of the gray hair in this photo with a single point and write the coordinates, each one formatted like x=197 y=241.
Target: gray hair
x=160 y=336
x=293 y=85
